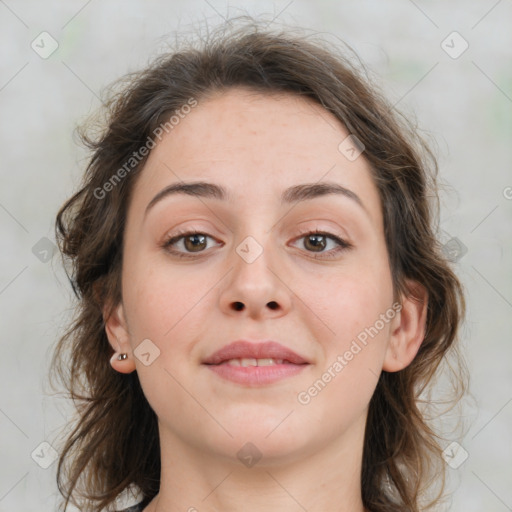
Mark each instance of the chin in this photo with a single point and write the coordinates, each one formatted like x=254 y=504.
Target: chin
x=275 y=439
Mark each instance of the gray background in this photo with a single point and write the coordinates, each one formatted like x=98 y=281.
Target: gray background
x=464 y=104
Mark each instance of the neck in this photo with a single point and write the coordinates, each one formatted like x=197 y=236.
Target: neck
x=198 y=481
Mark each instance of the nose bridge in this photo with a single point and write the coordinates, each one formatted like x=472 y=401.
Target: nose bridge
x=253 y=261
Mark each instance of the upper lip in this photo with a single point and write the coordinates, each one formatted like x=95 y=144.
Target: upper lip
x=242 y=349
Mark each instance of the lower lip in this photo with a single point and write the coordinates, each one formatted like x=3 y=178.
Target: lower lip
x=256 y=375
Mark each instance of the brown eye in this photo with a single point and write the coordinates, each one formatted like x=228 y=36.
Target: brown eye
x=186 y=243
x=325 y=245
x=195 y=242
x=315 y=242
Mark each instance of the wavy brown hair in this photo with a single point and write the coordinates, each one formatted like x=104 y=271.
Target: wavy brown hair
x=114 y=443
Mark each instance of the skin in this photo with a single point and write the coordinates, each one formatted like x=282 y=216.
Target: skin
x=256 y=146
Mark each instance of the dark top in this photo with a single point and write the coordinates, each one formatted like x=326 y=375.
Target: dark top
x=135 y=508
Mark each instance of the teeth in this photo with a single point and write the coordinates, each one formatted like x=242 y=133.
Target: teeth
x=254 y=362
x=248 y=362
x=265 y=362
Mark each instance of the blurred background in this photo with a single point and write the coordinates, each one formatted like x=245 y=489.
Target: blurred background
x=446 y=63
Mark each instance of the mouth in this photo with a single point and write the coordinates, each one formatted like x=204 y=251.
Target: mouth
x=255 y=364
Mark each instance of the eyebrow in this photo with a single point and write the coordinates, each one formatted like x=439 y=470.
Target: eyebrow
x=295 y=194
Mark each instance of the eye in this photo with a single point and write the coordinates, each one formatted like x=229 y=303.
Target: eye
x=185 y=244
x=318 y=241
x=190 y=242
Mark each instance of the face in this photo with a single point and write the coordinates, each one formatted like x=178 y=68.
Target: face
x=309 y=271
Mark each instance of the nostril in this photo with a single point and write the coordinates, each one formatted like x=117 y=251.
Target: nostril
x=273 y=305
x=238 y=306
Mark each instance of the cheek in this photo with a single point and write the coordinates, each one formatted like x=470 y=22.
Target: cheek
x=355 y=308
x=159 y=300
x=350 y=300
x=165 y=306
x=353 y=354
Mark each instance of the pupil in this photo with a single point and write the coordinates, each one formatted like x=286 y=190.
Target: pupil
x=316 y=244
x=194 y=238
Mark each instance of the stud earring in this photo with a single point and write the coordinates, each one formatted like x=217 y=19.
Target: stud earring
x=122 y=357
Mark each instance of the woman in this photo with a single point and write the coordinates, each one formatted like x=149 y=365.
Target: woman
x=261 y=295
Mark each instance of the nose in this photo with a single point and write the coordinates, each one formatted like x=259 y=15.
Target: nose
x=257 y=285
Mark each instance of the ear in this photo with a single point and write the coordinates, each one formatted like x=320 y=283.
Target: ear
x=407 y=329
x=118 y=337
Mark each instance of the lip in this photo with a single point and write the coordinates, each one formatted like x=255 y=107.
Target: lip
x=293 y=363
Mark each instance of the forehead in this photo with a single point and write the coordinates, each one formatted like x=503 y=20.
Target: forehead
x=256 y=145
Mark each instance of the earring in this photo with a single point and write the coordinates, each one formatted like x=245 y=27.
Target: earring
x=122 y=357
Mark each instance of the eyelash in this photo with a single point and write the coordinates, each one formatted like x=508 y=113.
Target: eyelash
x=343 y=245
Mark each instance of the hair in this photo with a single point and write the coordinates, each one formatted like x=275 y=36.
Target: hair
x=114 y=443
